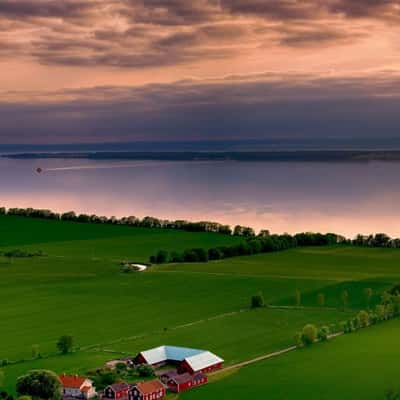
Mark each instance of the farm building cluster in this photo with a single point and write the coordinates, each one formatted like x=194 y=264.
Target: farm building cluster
x=177 y=369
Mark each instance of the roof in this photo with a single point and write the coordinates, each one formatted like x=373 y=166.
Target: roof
x=186 y=377
x=150 y=386
x=172 y=353
x=203 y=360
x=168 y=374
x=183 y=378
x=117 y=387
x=72 y=381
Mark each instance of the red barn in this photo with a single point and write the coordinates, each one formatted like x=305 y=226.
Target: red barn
x=151 y=390
x=200 y=363
x=186 y=359
x=117 y=391
x=180 y=383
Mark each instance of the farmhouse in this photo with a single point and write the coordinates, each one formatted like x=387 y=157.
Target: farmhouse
x=186 y=359
x=151 y=390
x=117 y=391
x=77 y=387
x=186 y=381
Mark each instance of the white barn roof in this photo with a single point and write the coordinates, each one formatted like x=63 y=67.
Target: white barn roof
x=203 y=360
x=197 y=359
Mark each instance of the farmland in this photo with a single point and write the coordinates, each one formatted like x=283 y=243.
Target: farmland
x=77 y=289
x=356 y=366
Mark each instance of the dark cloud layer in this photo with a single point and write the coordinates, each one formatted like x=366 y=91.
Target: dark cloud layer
x=265 y=106
x=145 y=33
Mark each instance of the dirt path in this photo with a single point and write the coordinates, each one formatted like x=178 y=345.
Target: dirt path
x=266 y=357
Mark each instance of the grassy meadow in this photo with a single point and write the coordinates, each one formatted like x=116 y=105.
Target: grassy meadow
x=77 y=289
x=362 y=365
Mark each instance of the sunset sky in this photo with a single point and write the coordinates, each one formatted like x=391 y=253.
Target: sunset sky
x=142 y=70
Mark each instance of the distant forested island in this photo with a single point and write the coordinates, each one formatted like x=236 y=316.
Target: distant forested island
x=301 y=155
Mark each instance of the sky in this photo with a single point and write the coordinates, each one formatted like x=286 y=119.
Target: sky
x=75 y=71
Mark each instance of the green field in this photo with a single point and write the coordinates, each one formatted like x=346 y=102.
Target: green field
x=78 y=289
x=361 y=365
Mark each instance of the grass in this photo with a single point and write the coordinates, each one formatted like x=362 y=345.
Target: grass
x=77 y=289
x=356 y=366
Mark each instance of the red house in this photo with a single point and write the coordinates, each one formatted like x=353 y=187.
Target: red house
x=117 y=391
x=151 y=390
x=180 y=383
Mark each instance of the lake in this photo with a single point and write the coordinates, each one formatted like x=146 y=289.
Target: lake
x=345 y=198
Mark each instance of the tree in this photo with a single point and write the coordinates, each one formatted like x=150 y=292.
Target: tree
x=65 y=344
x=344 y=299
x=363 y=317
x=298 y=340
x=297 y=298
x=35 y=351
x=321 y=299
x=145 y=370
x=1 y=378
x=323 y=333
x=309 y=334
x=257 y=301
x=162 y=257
x=392 y=394
x=368 y=292
x=40 y=384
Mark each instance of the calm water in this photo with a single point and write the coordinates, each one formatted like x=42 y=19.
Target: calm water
x=284 y=197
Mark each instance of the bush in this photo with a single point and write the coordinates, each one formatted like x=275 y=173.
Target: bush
x=145 y=370
x=162 y=257
x=39 y=384
x=323 y=333
x=257 y=301
x=363 y=317
x=65 y=344
x=309 y=334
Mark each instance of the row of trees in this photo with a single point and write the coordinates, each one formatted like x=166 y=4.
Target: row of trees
x=388 y=309
x=146 y=222
x=303 y=239
x=264 y=243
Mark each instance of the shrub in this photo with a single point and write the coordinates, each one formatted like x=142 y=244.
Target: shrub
x=215 y=254
x=363 y=317
x=309 y=334
x=162 y=257
x=40 y=384
x=257 y=301
x=65 y=344
x=323 y=333
x=145 y=370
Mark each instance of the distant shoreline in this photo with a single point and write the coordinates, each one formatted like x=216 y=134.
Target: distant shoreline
x=245 y=156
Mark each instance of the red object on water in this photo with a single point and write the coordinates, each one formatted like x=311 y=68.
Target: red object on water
x=39 y=170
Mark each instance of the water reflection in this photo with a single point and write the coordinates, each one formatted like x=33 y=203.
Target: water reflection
x=284 y=197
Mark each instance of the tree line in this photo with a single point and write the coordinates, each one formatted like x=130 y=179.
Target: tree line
x=146 y=222
x=388 y=309
x=263 y=243
x=303 y=239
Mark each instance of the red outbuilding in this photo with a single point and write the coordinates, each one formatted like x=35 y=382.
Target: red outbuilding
x=117 y=391
x=150 y=390
x=180 y=383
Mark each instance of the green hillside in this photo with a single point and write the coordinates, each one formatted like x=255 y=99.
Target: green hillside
x=77 y=289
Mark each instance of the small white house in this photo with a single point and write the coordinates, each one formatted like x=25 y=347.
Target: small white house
x=74 y=386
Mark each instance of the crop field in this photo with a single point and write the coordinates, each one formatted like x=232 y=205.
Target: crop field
x=77 y=289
